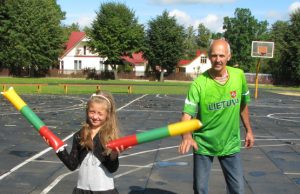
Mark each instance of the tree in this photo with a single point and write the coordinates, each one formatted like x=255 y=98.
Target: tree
x=164 y=43
x=279 y=35
x=190 y=44
x=67 y=29
x=115 y=33
x=204 y=37
x=240 y=31
x=294 y=47
x=286 y=63
x=32 y=35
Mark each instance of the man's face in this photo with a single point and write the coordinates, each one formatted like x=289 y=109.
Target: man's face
x=219 y=55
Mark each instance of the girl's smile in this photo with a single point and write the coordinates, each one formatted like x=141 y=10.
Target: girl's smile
x=97 y=114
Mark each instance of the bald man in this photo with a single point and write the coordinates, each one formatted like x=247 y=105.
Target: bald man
x=219 y=98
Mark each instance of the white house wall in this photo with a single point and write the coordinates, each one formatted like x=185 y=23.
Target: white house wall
x=195 y=67
x=139 y=70
x=89 y=60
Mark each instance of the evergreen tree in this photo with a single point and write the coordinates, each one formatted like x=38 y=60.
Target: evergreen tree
x=32 y=35
x=115 y=33
x=203 y=37
x=294 y=47
x=240 y=31
x=278 y=66
x=190 y=44
x=164 y=43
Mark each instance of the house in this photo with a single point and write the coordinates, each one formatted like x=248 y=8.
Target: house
x=77 y=56
x=196 y=66
x=138 y=63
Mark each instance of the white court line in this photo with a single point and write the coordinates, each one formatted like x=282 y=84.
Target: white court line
x=272 y=116
x=292 y=173
x=47 y=189
x=134 y=166
x=73 y=107
x=276 y=140
x=151 y=110
x=29 y=160
x=58 y=179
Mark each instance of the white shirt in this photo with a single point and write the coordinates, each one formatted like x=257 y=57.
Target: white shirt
x=93 y=176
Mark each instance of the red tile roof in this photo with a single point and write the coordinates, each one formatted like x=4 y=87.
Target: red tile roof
x=137 y=58
x=74 y=39
x=184 y=62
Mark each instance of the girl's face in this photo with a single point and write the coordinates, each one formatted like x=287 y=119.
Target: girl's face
x=97 y=114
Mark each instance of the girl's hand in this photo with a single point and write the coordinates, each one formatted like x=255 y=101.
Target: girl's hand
x=114 y=153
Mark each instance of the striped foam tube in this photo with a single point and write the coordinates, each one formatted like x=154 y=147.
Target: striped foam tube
x=155 y=134
x=32 y=118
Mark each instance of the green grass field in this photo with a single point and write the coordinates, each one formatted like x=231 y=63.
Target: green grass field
x=84 y=86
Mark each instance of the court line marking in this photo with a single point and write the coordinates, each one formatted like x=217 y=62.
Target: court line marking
x=47 y=189
x=151 y=110
x=292 y=173
x=272 y=116
x=29 y=160
x=68 y=108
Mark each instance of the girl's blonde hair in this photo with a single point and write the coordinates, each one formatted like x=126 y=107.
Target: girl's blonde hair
x=110 y=129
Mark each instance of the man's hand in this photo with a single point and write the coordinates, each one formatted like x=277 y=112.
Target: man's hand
x=249 y=139
x=186 y=143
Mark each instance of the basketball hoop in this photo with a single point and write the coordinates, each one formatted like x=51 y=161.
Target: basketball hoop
x=262 y=49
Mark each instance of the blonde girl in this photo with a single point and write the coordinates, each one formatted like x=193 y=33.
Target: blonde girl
x=95 y=161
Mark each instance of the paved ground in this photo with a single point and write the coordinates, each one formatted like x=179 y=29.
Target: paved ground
x=27 y=165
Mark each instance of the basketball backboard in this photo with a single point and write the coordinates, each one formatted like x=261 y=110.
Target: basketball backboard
x=262 y=49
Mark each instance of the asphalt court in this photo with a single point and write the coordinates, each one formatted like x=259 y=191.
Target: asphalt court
x=28 y=165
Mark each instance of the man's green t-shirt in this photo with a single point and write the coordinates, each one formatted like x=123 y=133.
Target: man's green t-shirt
x=218 y=108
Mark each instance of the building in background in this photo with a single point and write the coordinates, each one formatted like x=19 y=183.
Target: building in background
x=77 y=56
x=137 y=62
x=196 y=66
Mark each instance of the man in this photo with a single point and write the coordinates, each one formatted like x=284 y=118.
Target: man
x=218 y=98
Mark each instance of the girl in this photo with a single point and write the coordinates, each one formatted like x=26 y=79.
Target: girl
x=96 y=162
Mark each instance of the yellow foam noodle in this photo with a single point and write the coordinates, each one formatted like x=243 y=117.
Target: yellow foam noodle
x=14 y=98
x=184 y=127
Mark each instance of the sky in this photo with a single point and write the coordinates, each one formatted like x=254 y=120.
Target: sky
x=187 y=12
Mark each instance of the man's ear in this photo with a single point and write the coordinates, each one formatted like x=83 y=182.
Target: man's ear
x=229 y=57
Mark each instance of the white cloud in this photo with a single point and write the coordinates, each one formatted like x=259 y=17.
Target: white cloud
x=211 y=21
x=182 y=17
x=192 y=1
x=294 y=6
x=85 y=21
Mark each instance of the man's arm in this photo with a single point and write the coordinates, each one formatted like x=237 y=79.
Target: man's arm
x=187 y=139
x=249 y=139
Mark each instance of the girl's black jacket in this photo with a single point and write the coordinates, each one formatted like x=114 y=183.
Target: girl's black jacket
x=78 y=153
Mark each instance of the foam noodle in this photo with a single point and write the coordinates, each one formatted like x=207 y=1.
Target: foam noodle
x=14 y=98
x=155 y=134
x=33 y=119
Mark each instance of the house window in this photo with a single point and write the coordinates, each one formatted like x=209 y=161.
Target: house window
x=101 y=65
x=203 y=59
x=84 y=50
x=61 y=65
x=77 y=64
